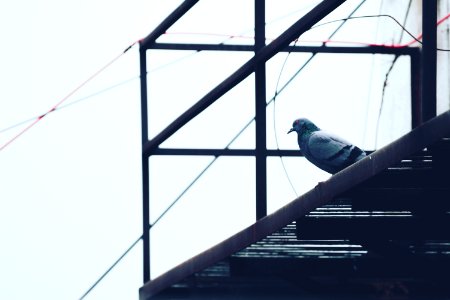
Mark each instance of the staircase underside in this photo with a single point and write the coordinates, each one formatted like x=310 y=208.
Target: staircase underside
x=380 y=227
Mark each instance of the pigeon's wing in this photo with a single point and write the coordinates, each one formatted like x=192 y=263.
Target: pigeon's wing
x=331 y=153
x=327 y=148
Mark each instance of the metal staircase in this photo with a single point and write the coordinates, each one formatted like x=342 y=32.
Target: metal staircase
x=379 y=226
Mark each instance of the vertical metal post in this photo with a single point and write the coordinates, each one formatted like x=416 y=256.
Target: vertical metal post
x=145 y=167
x=416 y=89
x=144 y=45
x=429 y=58
x=260 y=114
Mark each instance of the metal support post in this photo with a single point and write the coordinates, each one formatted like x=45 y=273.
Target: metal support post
x=429 y=58
x=416 y=89
x=260 y=113
x=145 y=167
x=144 y=45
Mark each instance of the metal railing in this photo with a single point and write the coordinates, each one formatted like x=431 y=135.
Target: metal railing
x=262 y=53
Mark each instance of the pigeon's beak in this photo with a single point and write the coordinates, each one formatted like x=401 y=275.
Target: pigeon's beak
x=290 y=130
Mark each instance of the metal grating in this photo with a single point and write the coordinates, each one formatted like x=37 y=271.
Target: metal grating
x=394 y=224
x=284 y=244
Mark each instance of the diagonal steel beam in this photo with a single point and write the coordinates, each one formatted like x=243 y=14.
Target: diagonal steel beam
x=298 y=28
x=169 y=21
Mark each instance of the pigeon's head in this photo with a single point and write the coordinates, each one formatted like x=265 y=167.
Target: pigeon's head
x=302 y=126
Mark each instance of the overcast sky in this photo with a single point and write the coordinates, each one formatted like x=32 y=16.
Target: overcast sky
x=70 y=187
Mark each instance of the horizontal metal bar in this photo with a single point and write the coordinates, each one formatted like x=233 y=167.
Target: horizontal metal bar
x=223 y=152
x=414 y=141
x=300 y=49
x=354 y=50
x=201 y=47
x=299 y=27
x=204 y=152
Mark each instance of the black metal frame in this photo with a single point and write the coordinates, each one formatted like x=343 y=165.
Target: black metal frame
x=257 y=65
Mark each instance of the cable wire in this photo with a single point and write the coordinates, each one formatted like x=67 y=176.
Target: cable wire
x=64 y=99
x=276 y=92
x=414 y=38
x=385 y=83
x=111 y=267
x=99 y=92
x=275 y=126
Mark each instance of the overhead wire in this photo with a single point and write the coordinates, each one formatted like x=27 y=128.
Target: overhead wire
x=385 y=83
x=274 y=123
x=110 y=268
x=66 y=105
x=370 y=79
x=64 y=99
x=276 y=92
x=99 y=92
x=152 y=70
x=242 y=34
x=415 y=39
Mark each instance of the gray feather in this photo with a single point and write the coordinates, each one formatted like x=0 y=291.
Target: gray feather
x=325 y=150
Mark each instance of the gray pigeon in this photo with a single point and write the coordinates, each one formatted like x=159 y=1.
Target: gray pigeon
x=328 y=152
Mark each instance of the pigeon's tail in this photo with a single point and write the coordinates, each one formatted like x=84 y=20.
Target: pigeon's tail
x=355 y=155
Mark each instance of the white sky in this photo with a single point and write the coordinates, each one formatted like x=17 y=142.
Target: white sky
x=70 y=188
